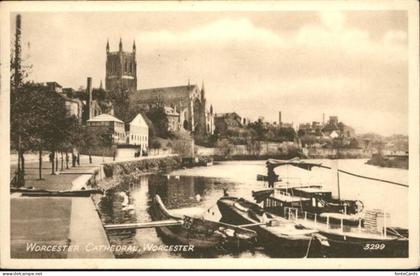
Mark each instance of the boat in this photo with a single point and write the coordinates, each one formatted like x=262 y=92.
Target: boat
x=312 y=199
x=281 y=237
x=351 y=230
x=199 y=232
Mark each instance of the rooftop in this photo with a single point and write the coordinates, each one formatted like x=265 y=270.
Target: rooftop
x=105 y=118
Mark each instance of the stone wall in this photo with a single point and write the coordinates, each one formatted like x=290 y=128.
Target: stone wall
x=336 y=153
x=146 y=165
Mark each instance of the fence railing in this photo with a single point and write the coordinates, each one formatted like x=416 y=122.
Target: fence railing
x=326 y=221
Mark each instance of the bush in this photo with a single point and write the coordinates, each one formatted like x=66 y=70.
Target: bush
x=155 y=144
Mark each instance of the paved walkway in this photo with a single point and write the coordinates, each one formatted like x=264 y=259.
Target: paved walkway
x=58 y=182
x=59 y=221
x=87 y=232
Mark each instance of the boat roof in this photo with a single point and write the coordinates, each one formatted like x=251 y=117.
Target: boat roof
x=340 y=216
x=293 y=162
x=311 y=190
x=289 y=198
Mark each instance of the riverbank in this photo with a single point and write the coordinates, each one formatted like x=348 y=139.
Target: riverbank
x=399 y=162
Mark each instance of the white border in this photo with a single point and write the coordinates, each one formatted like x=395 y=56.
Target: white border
x=413 y=11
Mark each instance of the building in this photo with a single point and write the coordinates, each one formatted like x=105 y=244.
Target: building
x=115 y=127
x=340 y=128
x=53 y=86
x=94 y=107
x=137 y=133
x=314 y=128
x=121 y=69
x=224 y=121
x=74 y=107
x=188 y=101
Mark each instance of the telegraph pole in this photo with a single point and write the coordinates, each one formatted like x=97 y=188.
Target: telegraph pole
x=17 y=83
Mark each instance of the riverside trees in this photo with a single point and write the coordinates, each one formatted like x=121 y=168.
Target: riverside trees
x=39 y=121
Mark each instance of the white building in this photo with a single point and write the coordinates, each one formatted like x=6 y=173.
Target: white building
x=74 y=107
x=114 y=126
x=138 y=133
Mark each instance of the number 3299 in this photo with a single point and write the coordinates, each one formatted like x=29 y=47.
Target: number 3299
x=374 y=246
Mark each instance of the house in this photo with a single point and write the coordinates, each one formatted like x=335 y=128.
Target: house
x=115 y=127
x=334 y=134
x=225 y=121
x=74 y=107
x=54 y=86
x=137 y=133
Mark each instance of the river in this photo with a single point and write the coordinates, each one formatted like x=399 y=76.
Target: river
x=196 y=191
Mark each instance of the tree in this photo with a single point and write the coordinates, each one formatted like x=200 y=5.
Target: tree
x=19 y=71
x=259 y=129
x=225 y=148
x=253 y=146
x=121 y=102
x=39 y=121
x=88 y=141
x=157 y=115
x=182 y=144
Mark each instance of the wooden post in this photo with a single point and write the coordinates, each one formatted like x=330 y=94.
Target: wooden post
x=306 y=215
x=360 y=225
x=315 y=218
x=328 y=222
x=384 y=231
x=296 y=214
x=342 y=225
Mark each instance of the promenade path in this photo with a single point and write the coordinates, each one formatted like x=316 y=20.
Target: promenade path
x=71 y=224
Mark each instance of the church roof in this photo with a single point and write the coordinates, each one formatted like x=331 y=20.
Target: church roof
x=173 y=93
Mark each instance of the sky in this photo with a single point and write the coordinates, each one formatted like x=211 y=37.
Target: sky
x=351 y=64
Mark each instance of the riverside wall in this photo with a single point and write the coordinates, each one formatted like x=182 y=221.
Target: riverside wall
x=144 y=165
x=323 y=153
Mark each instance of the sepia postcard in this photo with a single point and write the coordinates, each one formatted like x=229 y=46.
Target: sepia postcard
x=209 y=135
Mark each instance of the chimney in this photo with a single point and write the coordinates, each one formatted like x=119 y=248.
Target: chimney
x=89 y=91
x=280 y=123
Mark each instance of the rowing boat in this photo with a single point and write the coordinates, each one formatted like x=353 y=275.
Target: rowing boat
x=199 y=232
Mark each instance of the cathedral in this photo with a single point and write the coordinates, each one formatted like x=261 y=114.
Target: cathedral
x=187 y=103
x=121 y=69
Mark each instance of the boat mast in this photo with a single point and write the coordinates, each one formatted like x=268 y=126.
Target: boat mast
x=338 y=184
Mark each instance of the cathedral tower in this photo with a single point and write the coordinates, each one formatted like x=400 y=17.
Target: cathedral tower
x=121 y=69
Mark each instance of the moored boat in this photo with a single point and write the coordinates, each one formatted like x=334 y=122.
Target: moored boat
x=199 y=232
x=349 y=235
x=281 y=237
x=351 y=230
